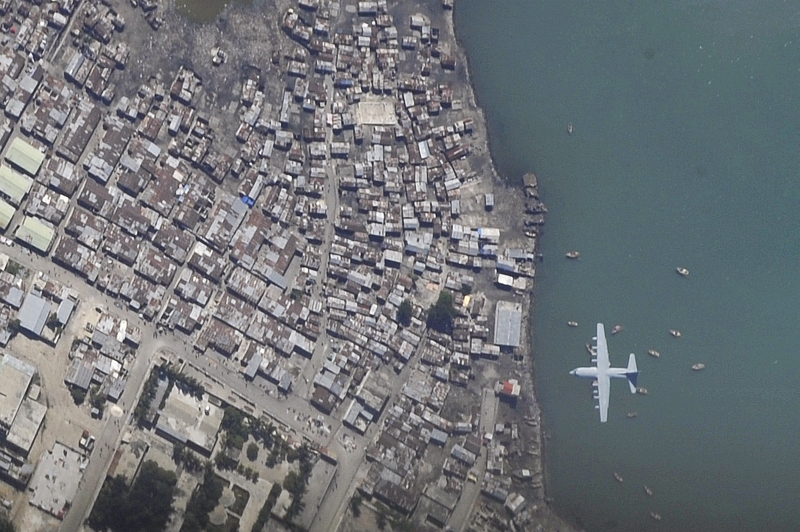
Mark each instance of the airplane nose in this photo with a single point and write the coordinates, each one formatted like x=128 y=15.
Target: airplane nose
x=573 y=372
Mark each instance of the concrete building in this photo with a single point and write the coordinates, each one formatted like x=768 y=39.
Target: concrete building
x=56 y=479
x=507 y=324
x=15 y=378
x=190 y=420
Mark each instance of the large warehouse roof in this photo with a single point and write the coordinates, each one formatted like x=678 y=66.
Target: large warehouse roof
x=507 y=324
x=6 y=214
x=24 y=156
x=14 y=185
x=35 y=233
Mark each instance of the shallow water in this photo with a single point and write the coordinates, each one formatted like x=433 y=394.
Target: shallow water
x=684 y=153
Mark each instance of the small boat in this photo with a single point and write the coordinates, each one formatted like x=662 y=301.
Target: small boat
x=631 y=415
x=590 y=349
x=699 y=367
x=648 y=491
x=572 y=323
x=641 y=390
x=618 y=477
x=683 y=271
x=573 y=254
x=616 y=329
x=655 y=516
x=675 y=333
x=569 y=128
x=653 y=353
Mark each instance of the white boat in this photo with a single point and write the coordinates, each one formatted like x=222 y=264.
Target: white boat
x=699 y=367
x=682 y=271
x=653 y=353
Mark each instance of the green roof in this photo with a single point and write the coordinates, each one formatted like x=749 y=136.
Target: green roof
x=36 y=233
x=14 y=185
x=24 y=156
x=6 y=213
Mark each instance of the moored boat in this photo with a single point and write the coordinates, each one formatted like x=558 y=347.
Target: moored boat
x=572 y=323
x=570 y=129
x=618 y=477
x=682 y=271
x=648 y=491
x=631 y=415
x=653 y=353
x=641 y=390
x=675 y=333
x=699 y=367
x=616 y=329
x=573 y=254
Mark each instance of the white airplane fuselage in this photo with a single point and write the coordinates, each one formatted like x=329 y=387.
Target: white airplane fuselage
x=592 y=373
x=602 y=372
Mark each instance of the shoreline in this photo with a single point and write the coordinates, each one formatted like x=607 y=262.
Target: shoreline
x=511 y=185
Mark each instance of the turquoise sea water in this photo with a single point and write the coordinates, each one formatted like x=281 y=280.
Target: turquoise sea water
x=684 y=153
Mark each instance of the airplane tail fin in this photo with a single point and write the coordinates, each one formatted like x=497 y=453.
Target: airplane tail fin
x=632 y=373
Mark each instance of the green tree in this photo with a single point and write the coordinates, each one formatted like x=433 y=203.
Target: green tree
x=5 y=524
x=405 y=312
x=355 y=505
x=52 y=320
x=204 y=500
x=146 y=506
x=252 y=452
x=78 y=395
x=442 y=314
x=13 y=326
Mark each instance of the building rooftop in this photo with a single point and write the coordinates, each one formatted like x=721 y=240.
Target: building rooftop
x=15 y=377
x=56 y=479
x=26 y=425
x=14 y=185
x=191 y=420
x=34 y=313
x=24 y=156
x=6 y=214
x=36 y=233
x=507 y=324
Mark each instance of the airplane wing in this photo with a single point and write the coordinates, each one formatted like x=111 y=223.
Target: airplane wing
x=603 y=391
x=602 y=349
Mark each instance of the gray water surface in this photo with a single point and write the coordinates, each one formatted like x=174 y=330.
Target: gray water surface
x=684 y=153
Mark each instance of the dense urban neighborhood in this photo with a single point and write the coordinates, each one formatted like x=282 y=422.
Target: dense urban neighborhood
x=271 y=283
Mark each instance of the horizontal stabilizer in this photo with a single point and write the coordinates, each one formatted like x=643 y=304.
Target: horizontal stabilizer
x=632 y=373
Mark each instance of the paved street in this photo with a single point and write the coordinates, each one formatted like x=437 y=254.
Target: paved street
x=469 y=495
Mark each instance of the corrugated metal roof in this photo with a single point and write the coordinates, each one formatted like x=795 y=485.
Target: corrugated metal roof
x=507 y=323
x=6 y=213
x=14 y=185
x=35 y=233
x=33 y=314
x=24 y=156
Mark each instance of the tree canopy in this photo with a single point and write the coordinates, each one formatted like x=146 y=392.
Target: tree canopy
x=404 y=313
x=442 y=314
x=143 y=507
